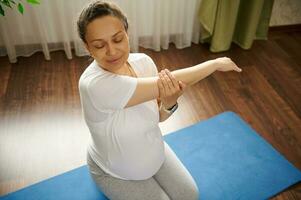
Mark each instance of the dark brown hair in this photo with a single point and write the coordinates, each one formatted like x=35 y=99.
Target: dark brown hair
x=98 y=9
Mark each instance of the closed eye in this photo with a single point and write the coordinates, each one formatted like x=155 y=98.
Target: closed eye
x=99 y=47
x=117 y=41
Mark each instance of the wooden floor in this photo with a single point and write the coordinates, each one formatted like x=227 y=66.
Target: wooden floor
x=43 y=133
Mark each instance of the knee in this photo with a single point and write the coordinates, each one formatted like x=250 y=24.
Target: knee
x=190 y=193
x=194 y=193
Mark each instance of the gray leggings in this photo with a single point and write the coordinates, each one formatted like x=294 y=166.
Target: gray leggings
x=171 y=182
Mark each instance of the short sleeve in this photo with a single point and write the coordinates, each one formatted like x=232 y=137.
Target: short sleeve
x=111 y=92
x=152 y=65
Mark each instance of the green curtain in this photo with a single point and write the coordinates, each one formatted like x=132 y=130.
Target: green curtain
x=239 y=21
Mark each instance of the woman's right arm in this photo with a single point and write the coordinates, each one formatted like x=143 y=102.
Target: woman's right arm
x=147 y=88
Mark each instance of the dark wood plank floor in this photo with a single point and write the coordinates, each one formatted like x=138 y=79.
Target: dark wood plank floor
x=43 y=133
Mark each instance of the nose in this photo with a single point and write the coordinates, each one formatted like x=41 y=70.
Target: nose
x=110 y=49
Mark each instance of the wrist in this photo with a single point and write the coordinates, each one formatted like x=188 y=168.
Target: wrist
x=168 y=106
x=215 y=64
x=170 y=109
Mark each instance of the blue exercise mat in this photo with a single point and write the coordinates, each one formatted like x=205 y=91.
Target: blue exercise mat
x=226 y=157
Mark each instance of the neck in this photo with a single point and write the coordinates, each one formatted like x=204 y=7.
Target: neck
x=124 y=70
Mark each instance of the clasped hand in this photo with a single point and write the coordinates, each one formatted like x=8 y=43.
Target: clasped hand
x=169 y=88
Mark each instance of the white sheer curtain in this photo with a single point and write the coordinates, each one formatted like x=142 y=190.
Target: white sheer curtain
x=51 y=26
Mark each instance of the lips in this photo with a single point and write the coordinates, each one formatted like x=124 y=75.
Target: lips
x=113 y=60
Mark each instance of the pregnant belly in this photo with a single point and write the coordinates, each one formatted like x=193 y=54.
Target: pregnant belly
x=137 y=157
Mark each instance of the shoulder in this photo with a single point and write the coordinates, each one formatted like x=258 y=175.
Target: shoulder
x=142 y=59
x=93 y=73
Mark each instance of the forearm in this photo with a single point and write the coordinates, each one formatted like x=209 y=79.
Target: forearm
x=192 y=75
x=147 y=87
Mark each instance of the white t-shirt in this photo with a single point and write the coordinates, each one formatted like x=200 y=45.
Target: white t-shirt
x=126 y=143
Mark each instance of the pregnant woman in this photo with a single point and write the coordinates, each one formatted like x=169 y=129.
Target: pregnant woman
x=123 y=99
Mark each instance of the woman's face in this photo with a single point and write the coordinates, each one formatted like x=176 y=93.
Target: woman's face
x=108 y=42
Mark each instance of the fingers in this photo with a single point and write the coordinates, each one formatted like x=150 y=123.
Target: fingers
x=169 y=86
x=228 y=65
x=182 y=85
x=238 y=69
x=168 y=83
x=235 y=67
x=161 y=85
x=174 y=82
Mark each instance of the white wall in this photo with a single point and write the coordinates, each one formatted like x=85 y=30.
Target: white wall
x=286 y=12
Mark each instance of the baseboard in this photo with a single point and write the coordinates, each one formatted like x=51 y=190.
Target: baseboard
x=285 y=28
